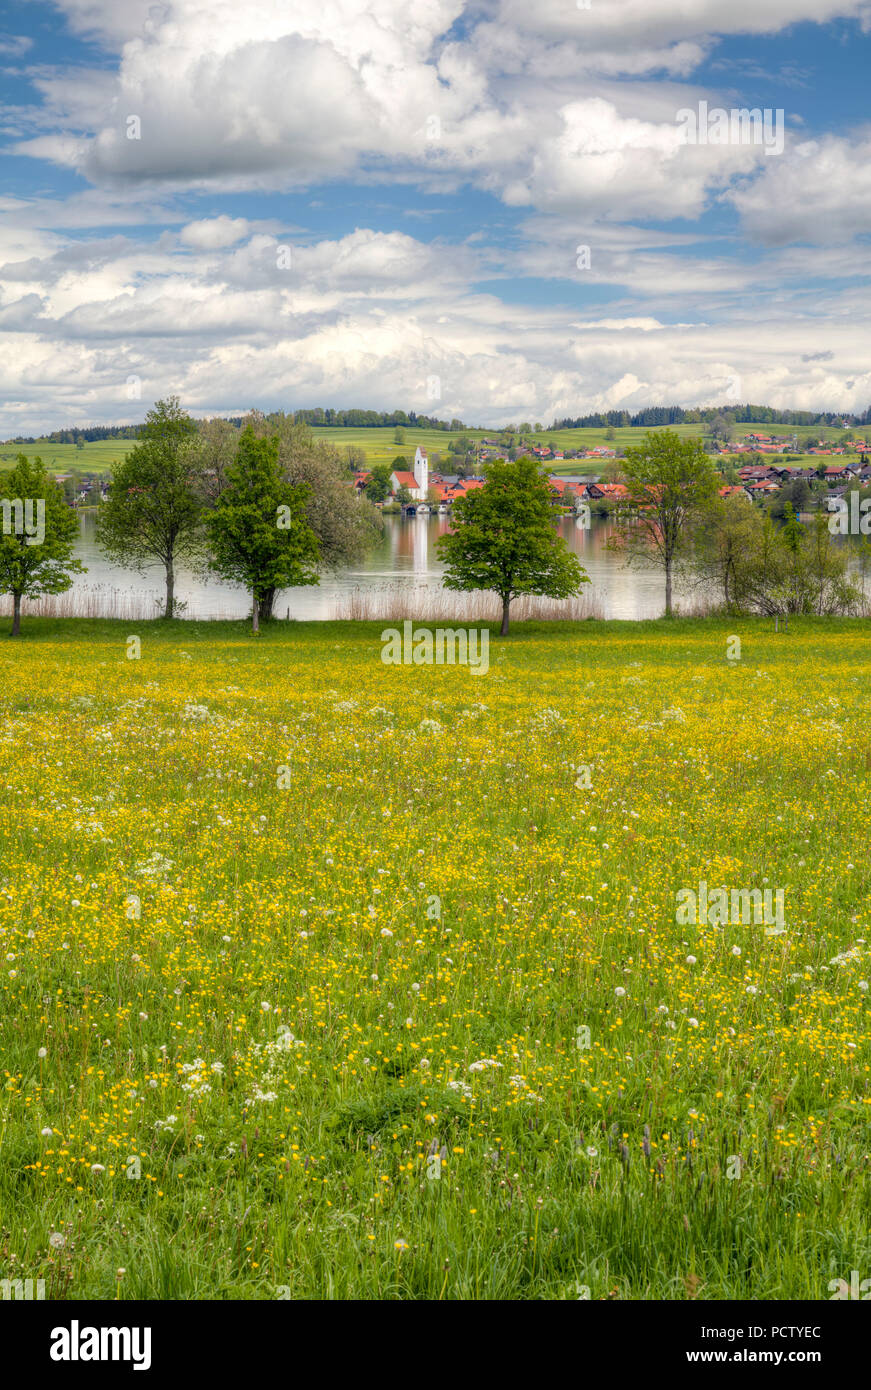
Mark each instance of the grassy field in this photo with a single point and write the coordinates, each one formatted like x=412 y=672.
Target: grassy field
x=66 y=458
x=380 y=447
x=325 y=978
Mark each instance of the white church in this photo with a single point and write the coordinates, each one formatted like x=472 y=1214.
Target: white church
x=416 y=482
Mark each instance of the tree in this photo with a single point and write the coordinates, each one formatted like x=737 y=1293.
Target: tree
x=37 y=536
x=669 y=479
x=503 y=538
x=258 y=535
x=154 y=511
x=399 y=435
x=377 y=487
x=344 y=523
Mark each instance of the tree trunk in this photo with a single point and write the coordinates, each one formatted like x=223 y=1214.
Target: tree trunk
x=16 y=616
x=506 y=611
x=255 y=614
x=170 y=589
x=668 y=589
x=266 y=606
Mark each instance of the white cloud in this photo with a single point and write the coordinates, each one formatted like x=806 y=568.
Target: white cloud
x=214 y=233
x=819 y=191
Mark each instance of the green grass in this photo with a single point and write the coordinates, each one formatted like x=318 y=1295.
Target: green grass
x=415 y=870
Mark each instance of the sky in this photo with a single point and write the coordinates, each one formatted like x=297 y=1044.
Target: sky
x=495 y=211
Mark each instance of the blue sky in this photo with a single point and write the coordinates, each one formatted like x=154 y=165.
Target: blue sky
x=341 y=204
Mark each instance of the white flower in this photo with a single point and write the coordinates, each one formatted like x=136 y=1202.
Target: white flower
x=47 y=1132
x=619 y=991
x=751 y=989
x=693 y=1022
x=863 y=985
x=385 y=931
x=265 y=1005
x=591 y=1152
x=98 y=1168
x=225 y=938
x=142 y=1017
x=43 y=1052
x=483 y=1064
x=57 y=1241
x=691 y=960
x=736 y=950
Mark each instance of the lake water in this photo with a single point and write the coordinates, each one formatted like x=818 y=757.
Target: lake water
x=404 y=557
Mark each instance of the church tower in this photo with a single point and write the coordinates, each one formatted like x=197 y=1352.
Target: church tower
x=421 y=473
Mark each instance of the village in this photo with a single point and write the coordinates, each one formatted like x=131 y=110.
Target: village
x=421 y=491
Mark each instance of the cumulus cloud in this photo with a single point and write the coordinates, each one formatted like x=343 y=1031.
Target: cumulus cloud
x=820 y=191
x=565 y=115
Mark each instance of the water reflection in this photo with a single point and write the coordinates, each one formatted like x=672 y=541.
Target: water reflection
x=405 y=553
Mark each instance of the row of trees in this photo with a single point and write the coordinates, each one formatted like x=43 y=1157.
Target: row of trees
x=266 y=507
x=672 y=511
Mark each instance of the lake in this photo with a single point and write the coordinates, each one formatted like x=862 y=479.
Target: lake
x=404 y=558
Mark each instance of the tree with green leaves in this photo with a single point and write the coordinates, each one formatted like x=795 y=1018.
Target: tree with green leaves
x=258 y=534
x=377 y=487
x=344 y=523
x=669 y=480
x=504 y=539
x=37 y=536
x=153 y=514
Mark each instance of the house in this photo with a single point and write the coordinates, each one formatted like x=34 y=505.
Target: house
x=611 y=492
x=761 y=489
x=733 y=491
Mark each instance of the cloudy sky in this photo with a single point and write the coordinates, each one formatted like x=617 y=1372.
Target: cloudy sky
x=384 y=203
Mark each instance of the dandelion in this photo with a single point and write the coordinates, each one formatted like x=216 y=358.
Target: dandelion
x=57 y=1241
x=619 y=991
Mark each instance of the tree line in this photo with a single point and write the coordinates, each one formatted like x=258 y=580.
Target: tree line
x=268 y=507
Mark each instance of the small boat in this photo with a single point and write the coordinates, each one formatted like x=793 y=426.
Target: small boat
x=423 y=509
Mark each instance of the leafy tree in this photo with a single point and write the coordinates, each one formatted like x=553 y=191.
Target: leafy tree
x=399 y=435
x=503 y=538
x=258 y=534
x=154 y=510
x=37 y=535
x=669 y=479
x=377 y=487
x=344 y=523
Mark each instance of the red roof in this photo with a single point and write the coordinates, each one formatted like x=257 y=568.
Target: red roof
x=406 y=480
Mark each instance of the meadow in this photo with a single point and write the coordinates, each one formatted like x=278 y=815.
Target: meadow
x=379 y=446
x=325 y=978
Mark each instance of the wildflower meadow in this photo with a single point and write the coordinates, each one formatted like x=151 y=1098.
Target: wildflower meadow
x=329 y=978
